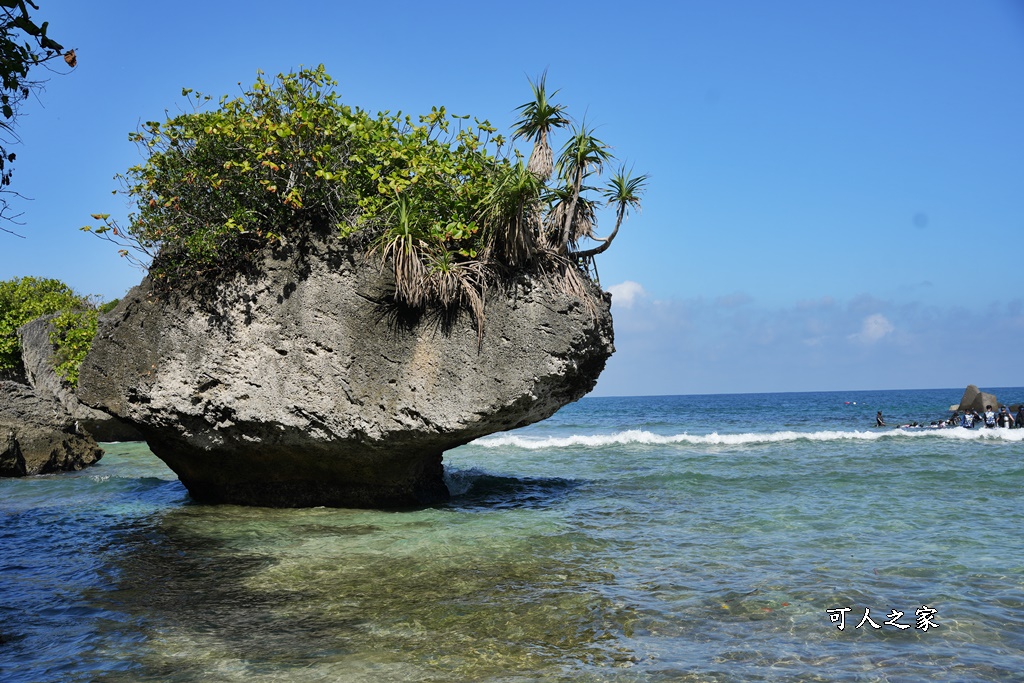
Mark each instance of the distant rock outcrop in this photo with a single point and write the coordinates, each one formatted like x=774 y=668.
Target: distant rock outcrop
x=975 y=399
x=297 y=384
x=37 y=436
x=37 y=355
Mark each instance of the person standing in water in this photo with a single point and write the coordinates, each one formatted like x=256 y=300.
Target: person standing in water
x=990 y=417
x=879 y=422
x=1004 y=419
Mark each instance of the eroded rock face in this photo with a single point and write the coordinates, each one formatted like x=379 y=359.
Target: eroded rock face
x=37 y=436
x=298 y=385
x=37 y=355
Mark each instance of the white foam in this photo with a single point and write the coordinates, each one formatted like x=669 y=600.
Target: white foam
x=637 y=436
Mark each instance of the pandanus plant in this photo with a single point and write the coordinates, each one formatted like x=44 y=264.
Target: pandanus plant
x=426 y=270
x=403 y=245
x=623 y=191
x=561 y=200
x=583 y=155
x=571 y=215
x=452 y=283
x=523 y=222
x=537 y=118
x=511 y=216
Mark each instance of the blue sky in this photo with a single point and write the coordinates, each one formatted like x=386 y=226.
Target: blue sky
x=835 y=199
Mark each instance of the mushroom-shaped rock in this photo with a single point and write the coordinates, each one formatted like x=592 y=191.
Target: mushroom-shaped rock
x=296 y=383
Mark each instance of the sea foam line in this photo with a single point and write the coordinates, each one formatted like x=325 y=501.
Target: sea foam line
x=638 y=436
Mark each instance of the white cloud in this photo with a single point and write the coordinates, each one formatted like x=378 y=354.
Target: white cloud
x=624 y=295
x=874 y=328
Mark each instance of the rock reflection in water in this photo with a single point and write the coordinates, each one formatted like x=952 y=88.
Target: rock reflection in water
x=454 y=593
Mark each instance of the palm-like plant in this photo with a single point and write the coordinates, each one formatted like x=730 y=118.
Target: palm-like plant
x=581 y=156
x=624 y=191
x=510 y=216
x=402 y=243
x=536 y=119
x=452 y=283
x=560 y=200
x=427 y=272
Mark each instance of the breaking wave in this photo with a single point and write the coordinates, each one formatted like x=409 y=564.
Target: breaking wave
x=642 y=437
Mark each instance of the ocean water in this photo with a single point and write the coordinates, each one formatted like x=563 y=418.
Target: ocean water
x=687 y=538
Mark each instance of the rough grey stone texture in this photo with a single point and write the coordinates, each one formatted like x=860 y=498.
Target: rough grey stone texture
x=297 y=384
x=37 y=356
x=975 y=399
x=37 y=436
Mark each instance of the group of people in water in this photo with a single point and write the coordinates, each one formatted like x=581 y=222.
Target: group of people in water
x=971 y=418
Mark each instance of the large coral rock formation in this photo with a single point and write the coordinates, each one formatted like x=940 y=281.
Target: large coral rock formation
x=37 y=436
x=296 y=384
x=37 y=356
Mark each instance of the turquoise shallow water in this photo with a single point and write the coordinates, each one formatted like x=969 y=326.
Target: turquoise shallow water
x=629 y=539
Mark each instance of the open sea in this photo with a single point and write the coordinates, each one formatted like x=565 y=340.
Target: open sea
x=674 y=538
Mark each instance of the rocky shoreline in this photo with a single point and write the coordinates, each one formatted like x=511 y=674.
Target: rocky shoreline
x=38 y=436
x=301 y=383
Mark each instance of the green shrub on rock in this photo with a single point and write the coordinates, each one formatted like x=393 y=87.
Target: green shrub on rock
x=285 y=156
x=446 y=203
x=108 y=306
x=25 y=299
x=73 y=332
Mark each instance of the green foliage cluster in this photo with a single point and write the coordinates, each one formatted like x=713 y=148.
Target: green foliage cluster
x=108 y=306
x=447 y=203
x=25 y=299
x=287 y=156
x=24 y=44
x=72 y=335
